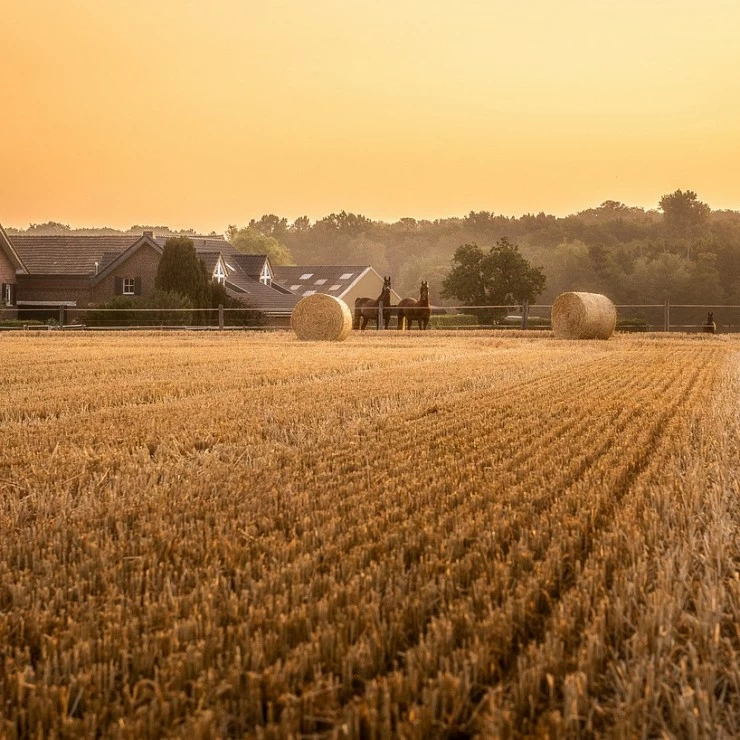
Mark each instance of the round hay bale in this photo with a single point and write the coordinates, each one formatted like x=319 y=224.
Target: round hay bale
x=321 y=317
x=583 y=316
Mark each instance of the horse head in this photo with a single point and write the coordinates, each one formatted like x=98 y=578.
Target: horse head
x=424 y=291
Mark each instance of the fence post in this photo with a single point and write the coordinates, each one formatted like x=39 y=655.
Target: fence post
x=380 y=314
x=666 y=315
x=220 y=316
x=61 y=316
x=525 y=314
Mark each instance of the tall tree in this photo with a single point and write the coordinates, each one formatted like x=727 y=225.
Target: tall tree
x=270 y=225
x=684 y=215
x=182 y=271
x=500 y=276
x=251 y=241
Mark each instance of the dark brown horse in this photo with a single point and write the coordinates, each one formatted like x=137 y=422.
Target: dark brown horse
x=366 y=309
x=709 y=326
x=412 y=310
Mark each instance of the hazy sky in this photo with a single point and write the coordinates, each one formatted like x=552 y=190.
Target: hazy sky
x=201 y=113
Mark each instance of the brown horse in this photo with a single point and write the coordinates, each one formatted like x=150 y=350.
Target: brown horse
x=709 y=326
x=366 y=309
x=412 y=310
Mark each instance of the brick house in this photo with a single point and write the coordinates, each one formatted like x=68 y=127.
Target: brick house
x=75 y=272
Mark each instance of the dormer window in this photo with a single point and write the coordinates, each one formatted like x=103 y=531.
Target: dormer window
x=219 y=275
x=266 y=275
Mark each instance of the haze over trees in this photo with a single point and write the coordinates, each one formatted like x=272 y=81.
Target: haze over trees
x=681 y=250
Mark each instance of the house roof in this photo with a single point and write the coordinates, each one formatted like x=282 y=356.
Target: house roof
x=251 y=264
x=333 y=280
x=68 y=255
x=210 y=259
x=62 y=254
x=201 y=243
x=261 y=296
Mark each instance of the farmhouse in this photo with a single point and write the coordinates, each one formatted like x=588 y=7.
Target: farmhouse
x=40 y=274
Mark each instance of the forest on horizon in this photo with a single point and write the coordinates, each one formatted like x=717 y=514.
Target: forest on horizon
x=683 y=250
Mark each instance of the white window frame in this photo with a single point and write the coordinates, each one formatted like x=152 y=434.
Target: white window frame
x=265 y=275
x=219 y=274
x=128 y=286
x=8 y=297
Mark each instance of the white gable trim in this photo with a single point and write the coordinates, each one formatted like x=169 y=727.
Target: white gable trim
x=220 y=276
x=10 y=251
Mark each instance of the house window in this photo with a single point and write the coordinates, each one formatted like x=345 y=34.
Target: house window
x=346 y=275
x=295 y=287
x=319 y=282
x=336 y=286
x=8 y=294
x=219 y=273
x=128 y=286
x=266 y=277
x=309 y=292
x=306 y=276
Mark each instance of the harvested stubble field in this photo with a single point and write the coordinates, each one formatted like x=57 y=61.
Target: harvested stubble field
x=418 y=535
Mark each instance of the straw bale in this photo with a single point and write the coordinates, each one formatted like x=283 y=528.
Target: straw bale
x=583 y=316
x=321 y=317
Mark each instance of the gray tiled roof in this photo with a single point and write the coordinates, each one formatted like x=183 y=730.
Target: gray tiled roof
x=209 y=259
x=201 y=243
x=252 y=264
x=68 y=255
x=330 y=279
x=262 y=296
x=62 y=254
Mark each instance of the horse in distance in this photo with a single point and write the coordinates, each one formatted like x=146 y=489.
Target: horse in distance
x=709 y=326
x=366 y=309
x=412 y=310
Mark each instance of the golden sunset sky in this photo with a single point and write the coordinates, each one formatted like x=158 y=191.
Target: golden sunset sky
x=201 y=113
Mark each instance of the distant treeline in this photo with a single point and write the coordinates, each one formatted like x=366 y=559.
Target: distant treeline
x=682 y=250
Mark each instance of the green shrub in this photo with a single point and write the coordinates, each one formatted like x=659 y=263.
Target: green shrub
x=169 y=311
x=630 y=325
x=19 y=323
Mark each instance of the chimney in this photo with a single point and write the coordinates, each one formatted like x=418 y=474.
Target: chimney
x=150 y=234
